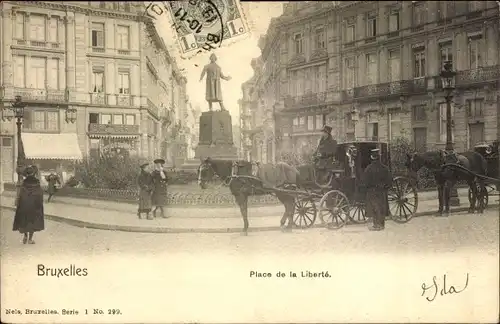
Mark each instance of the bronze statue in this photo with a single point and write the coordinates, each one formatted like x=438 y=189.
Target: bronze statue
x=213 y=89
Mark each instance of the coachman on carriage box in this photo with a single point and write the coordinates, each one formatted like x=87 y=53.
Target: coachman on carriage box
x=327 y=148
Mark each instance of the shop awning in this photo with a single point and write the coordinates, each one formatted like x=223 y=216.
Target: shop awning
x=51 y=146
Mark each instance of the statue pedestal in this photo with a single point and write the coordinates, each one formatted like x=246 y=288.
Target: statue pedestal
x=215 y=141
x=216 y=136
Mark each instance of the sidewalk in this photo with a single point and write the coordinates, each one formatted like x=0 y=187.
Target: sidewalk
x=189 y=220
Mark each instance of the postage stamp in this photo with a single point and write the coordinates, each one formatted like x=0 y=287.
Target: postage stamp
x=203 y=25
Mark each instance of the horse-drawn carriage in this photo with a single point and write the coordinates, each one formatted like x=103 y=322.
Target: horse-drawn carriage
x=491 y=155
x=342 y=196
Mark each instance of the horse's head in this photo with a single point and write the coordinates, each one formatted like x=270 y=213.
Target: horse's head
x=414 y=162
x=205 y=172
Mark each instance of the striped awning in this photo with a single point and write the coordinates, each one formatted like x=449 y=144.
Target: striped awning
x=111 y=136
x=51 y=146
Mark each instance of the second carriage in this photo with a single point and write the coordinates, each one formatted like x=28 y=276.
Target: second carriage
x=337 y=195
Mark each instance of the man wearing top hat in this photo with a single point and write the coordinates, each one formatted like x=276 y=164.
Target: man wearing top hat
x=159 y=198
x=327 y=147
x=377 y=179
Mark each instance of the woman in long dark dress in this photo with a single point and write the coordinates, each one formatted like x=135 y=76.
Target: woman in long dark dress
x=160 y=187
x=53 y=181
x=29 y=216
x=145 y=182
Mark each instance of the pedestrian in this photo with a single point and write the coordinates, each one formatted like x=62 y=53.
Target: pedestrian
x=53 y=183
x=145 y=183
x=29 y=217
x=159 y=187
x=377 y=179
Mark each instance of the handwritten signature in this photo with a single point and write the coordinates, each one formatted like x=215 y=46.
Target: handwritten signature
x=434 y=288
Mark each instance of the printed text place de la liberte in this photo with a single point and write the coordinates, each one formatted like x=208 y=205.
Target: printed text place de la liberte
x=291 y=274
x=71 y=271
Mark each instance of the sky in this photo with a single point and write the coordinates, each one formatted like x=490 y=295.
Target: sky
x=234 y=57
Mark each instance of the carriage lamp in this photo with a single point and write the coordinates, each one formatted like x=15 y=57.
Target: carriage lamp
x=70 y=115
x=448 y=77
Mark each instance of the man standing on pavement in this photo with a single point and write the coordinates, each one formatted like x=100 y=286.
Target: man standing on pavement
x=377 y=179
x=160 y=180
x=53 y=181
x=145 y=183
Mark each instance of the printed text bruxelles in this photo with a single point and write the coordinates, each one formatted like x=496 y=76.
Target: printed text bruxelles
x=71 y=271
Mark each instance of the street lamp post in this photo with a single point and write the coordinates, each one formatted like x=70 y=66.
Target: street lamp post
x=448 y=79
x=17 y=111
x=354 y=119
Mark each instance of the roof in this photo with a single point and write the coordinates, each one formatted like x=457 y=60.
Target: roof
x=51 y=146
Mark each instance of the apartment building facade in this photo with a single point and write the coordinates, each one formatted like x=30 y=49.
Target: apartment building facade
x=95 y=76
x=371 y=70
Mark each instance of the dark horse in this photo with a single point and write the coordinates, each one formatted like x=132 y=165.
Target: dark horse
x=242 y=184
x=446 y=178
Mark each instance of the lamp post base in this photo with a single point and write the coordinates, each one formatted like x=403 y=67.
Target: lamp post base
x=454 y=200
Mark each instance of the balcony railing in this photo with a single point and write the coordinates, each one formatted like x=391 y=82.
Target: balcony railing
x=383 y=89
x=123 y=100
x=308 y=99
x=152 y=108
x=113 y=129
x=479 y=75
x=47 y=95
x=98 y=98
x=35 y=43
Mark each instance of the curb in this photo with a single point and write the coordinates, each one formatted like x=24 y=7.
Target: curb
x=166 y=230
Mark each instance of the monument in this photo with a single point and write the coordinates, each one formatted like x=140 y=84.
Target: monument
x=216 y=128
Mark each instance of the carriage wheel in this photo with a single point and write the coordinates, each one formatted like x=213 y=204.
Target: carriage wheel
x=403 y=200
x=483 y=197
x=305 y=212
x=335 y=206
x=357 y=214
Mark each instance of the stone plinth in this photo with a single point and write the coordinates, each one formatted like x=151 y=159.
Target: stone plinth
x=216 y=136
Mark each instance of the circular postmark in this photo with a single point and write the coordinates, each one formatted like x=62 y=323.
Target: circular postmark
x=201 y=23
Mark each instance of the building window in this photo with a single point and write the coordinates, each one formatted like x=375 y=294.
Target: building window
x=371 y=26
x=320 y=121
x=97 y=36
x=41 y=120
x=298 y=42
x=310 y=122
x=419 y=114
x=20 y=21
x=350 y=33
x=37 y=73
x=117 y=119
x=123 y=83
x=37 y=28
x=446 y=54
x=106 y=119
x=394 y=66
x=129 y=119
x=97 y=82
x=300 y=82
x=302 y=121
x=53 y=30
x=53 y=70
x=475 y=59
x=474 y=6
x=419 y=14
x=19 y=71
x=371 y=127
x=419 y=64
x=394 y=126
x=445 y=10
x=93 y=118
x=123 y=36
x=475 y=108
x=296 y=121
x=371 y=69
x=320 y=38
x=394 y=21
x=443 y=122
x=350 y=76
